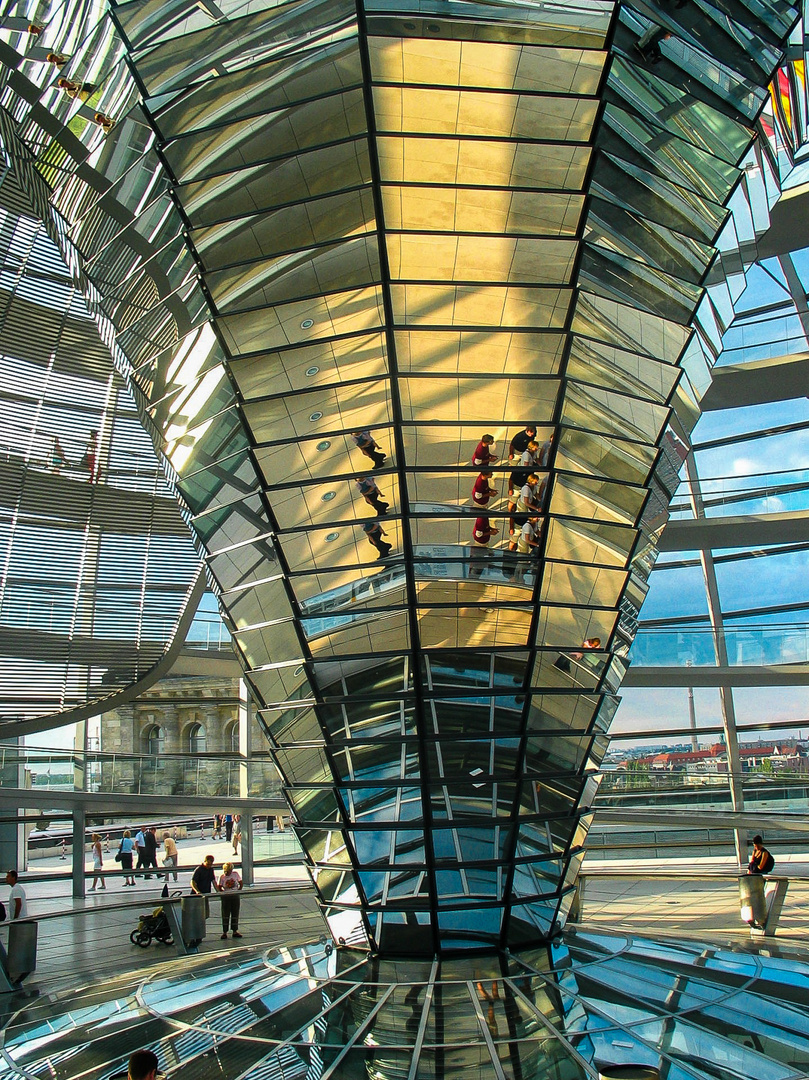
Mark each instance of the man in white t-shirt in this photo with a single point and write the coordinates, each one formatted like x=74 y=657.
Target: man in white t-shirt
x=17 y=907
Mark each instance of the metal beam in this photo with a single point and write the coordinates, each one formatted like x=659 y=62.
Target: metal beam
x=696 y=819
x=701 y=534
x=724 y=675
x=757 y=382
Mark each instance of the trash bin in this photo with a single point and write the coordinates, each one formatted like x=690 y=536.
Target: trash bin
x=752 y=900
x=22 y=948
x=628 y=1072
x=193 y=912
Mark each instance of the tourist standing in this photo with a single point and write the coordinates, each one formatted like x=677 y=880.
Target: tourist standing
x=230 y=885
x=17 y=903
x=98 y=862
x=124 y=856
x=170 y=858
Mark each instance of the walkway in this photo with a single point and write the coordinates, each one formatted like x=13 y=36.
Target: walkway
x=83 y=941
x=687 y=897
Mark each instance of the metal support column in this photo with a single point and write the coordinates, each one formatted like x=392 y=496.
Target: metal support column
x=79 y=821
x=248 y=876
x=245 y=755
x=721 y=654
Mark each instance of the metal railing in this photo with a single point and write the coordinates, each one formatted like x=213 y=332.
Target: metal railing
x=769 y=493
x=203 y=775
x=756 y=646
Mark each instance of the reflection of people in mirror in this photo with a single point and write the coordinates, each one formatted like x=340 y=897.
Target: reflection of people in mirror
x=520 y=441
x=91 y=457
x=70 y=87
x=563 y=660
x=529 y=498
x=528 y=547
x=531 y=455
x=489 y=999
x=373 y=496
x=365 y=442
x=529 y=460
x=75 y=89
x=374 y=531
x=515 y=528
x=482 y=533
x=483 y=451
x=529 y=537
x=483 y=491
x=648 y=44
x=58 y=457
x=105 y=122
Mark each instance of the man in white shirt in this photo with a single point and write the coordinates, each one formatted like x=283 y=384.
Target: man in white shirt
x=17 y=907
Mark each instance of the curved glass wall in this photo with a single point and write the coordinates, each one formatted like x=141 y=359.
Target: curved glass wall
x=95 y=559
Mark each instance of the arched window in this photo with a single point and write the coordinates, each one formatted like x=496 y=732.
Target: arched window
x=197 y=740
x=232 y=737
x=154 y=740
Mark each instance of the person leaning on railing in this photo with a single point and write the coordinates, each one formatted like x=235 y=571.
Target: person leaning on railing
x=762 y=861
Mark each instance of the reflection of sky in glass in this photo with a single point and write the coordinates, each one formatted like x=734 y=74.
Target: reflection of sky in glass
x=774 y=579
x=750 y=419
x=208 y=629
x=675 y=591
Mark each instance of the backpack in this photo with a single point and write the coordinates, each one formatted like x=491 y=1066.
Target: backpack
x=768 y=863
x=2 y=911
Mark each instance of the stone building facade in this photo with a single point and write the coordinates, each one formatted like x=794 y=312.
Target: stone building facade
x=187 y=736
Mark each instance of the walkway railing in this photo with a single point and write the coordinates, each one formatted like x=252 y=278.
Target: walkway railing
x=207 y=775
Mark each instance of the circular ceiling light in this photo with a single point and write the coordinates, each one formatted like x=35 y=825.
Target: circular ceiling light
x=298 y=670
x=328 y=496
x=331 y=537
x=321 y=446
x=316 y=416
x=312 y=371
x=307 y=324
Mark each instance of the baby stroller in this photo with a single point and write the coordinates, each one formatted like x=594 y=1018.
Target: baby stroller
x=151 y=926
